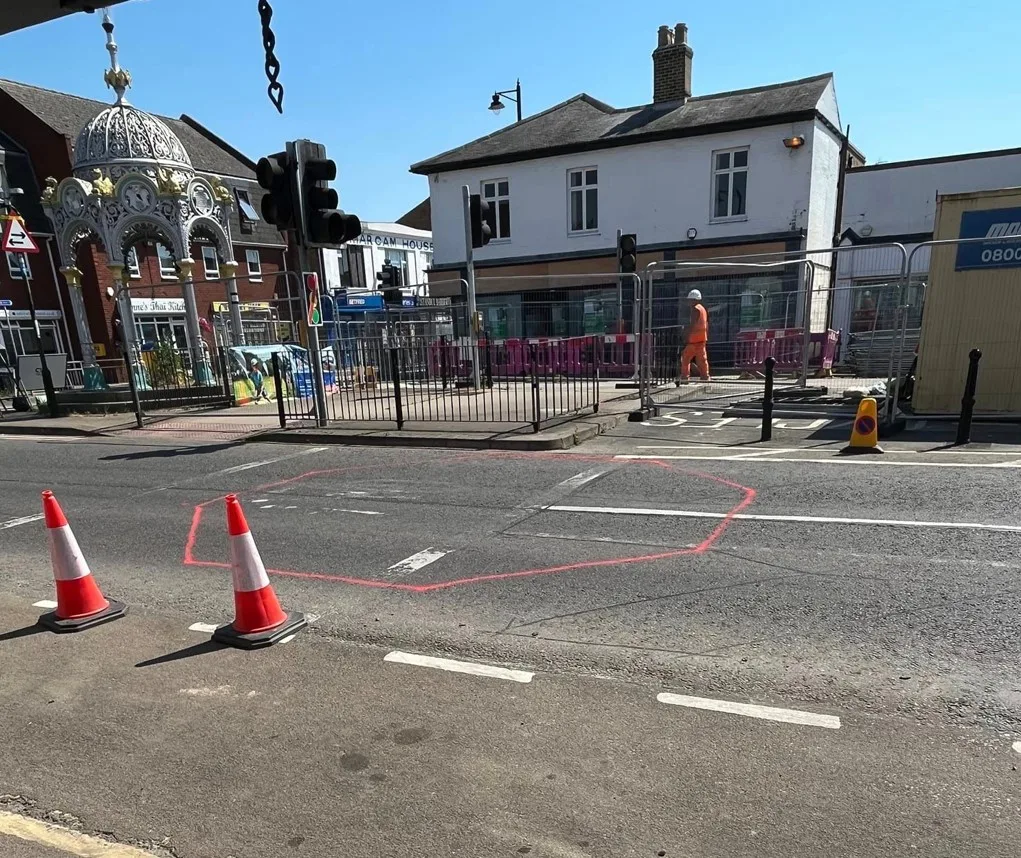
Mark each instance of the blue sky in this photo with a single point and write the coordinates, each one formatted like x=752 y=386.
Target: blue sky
x=385 y=85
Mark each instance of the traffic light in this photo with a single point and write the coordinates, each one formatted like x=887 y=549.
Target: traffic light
x=479 y=209
x=276 y=174
x=322 y=223
x=627 y=253
x=390 y=283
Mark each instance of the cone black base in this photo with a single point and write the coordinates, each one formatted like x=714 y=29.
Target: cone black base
x=253 y=640
x=854 y=451
x=114 y=611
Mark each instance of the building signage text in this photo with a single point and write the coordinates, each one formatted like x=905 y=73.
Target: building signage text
x=168 y=306
x=396 y=241
x=1001 y=229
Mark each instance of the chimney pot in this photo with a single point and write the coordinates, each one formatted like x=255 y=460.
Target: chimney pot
x=666 y=37
x=671 y=65
x=681 y=34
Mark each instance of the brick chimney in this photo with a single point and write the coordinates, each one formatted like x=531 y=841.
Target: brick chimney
x=671 y=65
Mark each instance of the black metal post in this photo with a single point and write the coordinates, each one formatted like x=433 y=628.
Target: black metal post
x=767 y=401
x=136 y=401
x=968 y=400
x=443 y=361
x=489 y=361
x=395 y=371
x=278 y=384
x=51 y=394
x=535 y=391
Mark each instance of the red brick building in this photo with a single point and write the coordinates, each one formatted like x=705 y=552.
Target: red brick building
x=38 y=131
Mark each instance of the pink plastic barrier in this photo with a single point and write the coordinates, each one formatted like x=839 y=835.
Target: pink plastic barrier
x=785 y=345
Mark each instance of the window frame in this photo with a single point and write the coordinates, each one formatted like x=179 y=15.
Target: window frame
x=165 y=272
x=134 y=270
x=244 y=198
x=253 y=276
x=14 y=266
x=496 y=223
x=403 y=255
x=730 y=171
x=583 y=188
x=215 y=275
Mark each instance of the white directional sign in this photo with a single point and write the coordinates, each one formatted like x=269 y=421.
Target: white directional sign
x=17 y=239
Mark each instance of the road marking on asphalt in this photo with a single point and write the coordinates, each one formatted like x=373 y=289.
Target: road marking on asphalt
x=579 y=480
x=249 y=465
x=359 y=511
x=48 y=604
x=65 y=839
x=1017 y=747
x=837 y=460
x=417 y=561
x=205 y=628
x=750 y=710
x=448 y=664
x=761 y=453
x=25 y=519
x=800 y=519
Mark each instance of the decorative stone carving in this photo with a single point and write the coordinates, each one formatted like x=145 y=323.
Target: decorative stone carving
x=49 y=192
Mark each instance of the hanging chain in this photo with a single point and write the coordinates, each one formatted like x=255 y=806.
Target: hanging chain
x=269 y=41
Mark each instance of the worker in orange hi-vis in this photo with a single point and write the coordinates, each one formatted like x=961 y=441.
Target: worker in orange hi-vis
x=698 y=336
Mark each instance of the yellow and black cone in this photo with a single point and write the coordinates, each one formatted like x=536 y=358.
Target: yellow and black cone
x=865 y=431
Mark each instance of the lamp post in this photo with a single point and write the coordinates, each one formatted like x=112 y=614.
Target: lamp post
x=513 y=94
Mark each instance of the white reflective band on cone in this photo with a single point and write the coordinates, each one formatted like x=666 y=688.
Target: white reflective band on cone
x=246 y=564
x=65 y=555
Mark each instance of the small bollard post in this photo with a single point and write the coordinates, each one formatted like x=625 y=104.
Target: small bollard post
x=767 y=401
x=443 y=361
x=968 y=400
x=395 y=372
x=278 y=385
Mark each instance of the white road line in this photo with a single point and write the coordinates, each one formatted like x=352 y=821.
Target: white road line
x=267 y=506
x=417 y=561
x=1000 y=453
x=750 y=710
x=205 y=628
x=248 y=466
x=25 y=519
x=838 y=460
x=64 y=840
x=801 y=519
x=261 y=500
x=579 y=480
x=760 y=453
x=487 y=670
x=1017 y=747
x=48 y=604
x=359 y=511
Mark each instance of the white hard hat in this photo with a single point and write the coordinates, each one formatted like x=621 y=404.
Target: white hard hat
x=694 y=295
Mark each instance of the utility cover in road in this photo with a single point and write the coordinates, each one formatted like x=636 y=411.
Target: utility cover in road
x=17 y=239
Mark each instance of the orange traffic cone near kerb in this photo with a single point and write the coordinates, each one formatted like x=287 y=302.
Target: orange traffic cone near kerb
x=80 y=604
x=258 y=618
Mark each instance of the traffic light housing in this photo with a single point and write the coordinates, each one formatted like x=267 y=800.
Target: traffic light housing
x=322 y=223
x=627 y=253
x=478 y=210
x=276 y=174
x=314 y=315
x=390 y=283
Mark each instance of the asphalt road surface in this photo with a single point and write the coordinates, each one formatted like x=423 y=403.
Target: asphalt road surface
x=693 y=650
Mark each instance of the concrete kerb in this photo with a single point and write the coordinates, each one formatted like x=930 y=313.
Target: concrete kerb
x=558 y=438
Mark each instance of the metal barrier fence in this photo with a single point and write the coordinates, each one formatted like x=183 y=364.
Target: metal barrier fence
x=394 y=380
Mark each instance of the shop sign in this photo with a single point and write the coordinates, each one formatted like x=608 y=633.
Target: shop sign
x=1001 y=231
x=161 y=306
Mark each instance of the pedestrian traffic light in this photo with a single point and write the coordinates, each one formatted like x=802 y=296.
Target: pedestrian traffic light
x=276 y=174
x=627 y=253
x=322 y=223
x=390 y=283
x=314 y=317
x=479 y=210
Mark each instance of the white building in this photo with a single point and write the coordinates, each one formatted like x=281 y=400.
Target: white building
x=746 y=172
x=896 y=202
x=356 y=265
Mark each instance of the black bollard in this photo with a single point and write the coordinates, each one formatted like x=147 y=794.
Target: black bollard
x=767 y=401
x=968 y=400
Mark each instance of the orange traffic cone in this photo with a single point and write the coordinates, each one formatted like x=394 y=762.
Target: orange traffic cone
x=258 y=618
x=80 y=604
x=864 y=430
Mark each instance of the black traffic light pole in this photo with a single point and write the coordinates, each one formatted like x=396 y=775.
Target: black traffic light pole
x=470 y=266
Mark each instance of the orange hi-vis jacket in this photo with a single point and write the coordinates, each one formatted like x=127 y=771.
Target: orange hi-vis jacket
x=699 y=331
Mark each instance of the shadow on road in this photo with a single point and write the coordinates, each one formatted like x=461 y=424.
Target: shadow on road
x=187 y=652
x=33 y=629
x=171 y=453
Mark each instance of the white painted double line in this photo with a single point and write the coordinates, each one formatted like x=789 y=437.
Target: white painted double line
x=750 y=710
x=448 y=664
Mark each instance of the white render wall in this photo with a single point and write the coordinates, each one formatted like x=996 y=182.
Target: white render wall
x=375 y=239
x=657 y=190
x=901 y=200
x=822 y=213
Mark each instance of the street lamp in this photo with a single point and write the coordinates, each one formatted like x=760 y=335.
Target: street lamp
x=513 y=94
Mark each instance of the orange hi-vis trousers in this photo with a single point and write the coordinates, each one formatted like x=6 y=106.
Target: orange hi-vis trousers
x=695 y=352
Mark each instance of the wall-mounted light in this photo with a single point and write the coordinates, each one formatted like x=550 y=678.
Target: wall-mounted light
x=109 y=291
x=692 y=232
x=794 y=142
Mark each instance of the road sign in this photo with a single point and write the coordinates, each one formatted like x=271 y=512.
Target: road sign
x=17 y=239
